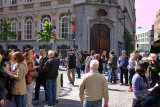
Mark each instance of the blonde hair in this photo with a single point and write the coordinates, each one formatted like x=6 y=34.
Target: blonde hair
x=0 y=58
x=87 y=58
x=131 y=55
x=153 y=56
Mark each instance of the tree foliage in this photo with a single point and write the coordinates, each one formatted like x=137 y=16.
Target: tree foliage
x=128 y=42
x=6 y=32
x=46 y=32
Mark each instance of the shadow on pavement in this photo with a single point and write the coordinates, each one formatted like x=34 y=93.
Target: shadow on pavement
x=116 y=90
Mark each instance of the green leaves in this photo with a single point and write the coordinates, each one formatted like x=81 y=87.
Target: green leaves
x=6 y=30
x=46 y=32
x=128 y=42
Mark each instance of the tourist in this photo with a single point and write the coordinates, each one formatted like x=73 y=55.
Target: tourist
x=18 y=87
x=3 y=77
x=93 y=88
x=71 y=66
x=31 y=68
x=98 y=58
x=78 y=63
x=123 y=63
x=131 y=67
x=40 y=79
x=154 y=70
x=112 y=66
x=50 y=72
x=140 y=83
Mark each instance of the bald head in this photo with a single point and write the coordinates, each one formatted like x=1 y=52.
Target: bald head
x=94 y=65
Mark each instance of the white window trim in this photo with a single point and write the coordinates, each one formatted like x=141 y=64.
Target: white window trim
x=11 y=2
x=60 y=27
x=28 y=1
x=25 y=25
x=43 y=21
x=14 y=21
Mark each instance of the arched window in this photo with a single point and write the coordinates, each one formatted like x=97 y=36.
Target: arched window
x=14 y=26
x=12 y=2
x=0 y=24
x=28 y=28
x=64 y=25
x=45 y=18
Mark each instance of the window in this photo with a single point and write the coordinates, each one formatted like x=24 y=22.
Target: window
x=14 y=26
x=64 y=1
x=12 y=2
x=27 y=1
x=28 y=28
x=45 y=18
x=64 y=25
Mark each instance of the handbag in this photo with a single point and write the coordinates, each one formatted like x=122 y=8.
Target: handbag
x=33 y=74
x=28 y=78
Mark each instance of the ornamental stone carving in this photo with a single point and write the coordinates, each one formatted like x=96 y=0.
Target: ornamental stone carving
x=35 y=13
x=54 y=11
x=19 y=15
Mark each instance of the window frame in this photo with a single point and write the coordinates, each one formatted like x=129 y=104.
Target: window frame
x=44 y=18
x=28 y=36
x=14 y=20
x=13 y=2
x=62 y=29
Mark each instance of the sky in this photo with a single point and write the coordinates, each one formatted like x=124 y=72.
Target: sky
x=146 y=12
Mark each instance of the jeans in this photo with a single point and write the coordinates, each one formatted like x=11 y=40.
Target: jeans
x=19 y=100
x=51 y=91
x=97 y=103
x=125 y=72
x=111 y=75
x=1 y=95
x=30 y=88
x=78 y=72
x=104 y=68
x=131 y=74
x=39 y=81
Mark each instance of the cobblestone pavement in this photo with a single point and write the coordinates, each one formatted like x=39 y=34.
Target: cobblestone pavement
x=118 y=95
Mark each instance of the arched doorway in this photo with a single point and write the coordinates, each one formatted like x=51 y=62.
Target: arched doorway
x=100 y=38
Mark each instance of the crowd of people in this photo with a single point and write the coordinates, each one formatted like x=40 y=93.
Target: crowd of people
x=19 y=72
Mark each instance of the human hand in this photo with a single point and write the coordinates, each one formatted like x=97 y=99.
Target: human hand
x=81 y=102
x=1 y=102
x=150 y=89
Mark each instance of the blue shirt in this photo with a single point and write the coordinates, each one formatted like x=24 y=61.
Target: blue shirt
x=123 y=61
x=131 y=60
x=139 y=87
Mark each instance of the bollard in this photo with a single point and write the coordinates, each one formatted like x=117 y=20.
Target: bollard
x=61 y=80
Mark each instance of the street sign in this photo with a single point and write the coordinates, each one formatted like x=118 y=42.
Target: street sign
x=52 y=36
x=54 y=27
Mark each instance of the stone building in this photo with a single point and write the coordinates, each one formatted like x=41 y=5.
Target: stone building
x=91 y=24
x=144 y=36
x=157 y=26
